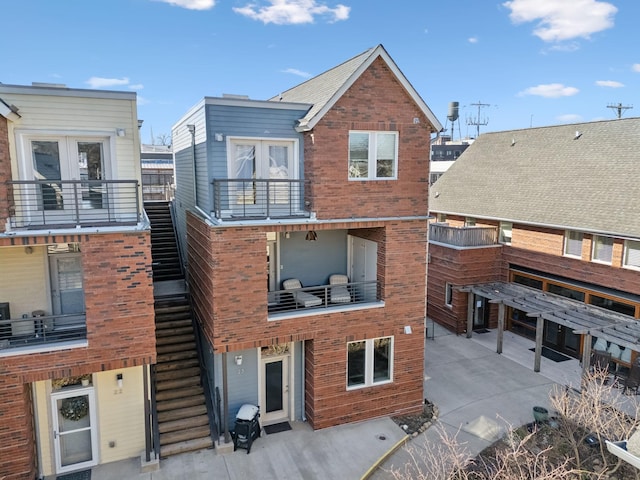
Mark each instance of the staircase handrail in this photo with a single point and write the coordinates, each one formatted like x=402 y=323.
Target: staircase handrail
x=172 y=211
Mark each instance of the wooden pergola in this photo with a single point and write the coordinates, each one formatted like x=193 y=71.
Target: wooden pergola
x=581 y=318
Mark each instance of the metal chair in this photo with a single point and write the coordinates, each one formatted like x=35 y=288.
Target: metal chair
x=600 y=362
x=632 y=382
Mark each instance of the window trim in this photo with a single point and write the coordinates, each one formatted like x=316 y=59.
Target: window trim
x=625 y=255
x=567 y=239
x=594 y=242
x=448 y=295
x=369 y=380
x=372 y=174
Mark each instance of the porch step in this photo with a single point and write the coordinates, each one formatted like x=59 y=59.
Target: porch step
x=182 y=413
x=183 y=423
x=188 y=446
x=177 y=403
x=179 y=393
x=178 y=373
x=184 y=435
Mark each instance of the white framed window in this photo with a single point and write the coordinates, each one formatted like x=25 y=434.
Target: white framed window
x=469 y=222
x=448 y=294
x=369 y=362
x=505 y=232
x=632 y=254
x=602 y=249
x=573 y=243
x=373 y=155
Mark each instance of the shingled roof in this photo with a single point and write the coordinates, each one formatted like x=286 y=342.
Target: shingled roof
x=582 y=176
x=325 y=89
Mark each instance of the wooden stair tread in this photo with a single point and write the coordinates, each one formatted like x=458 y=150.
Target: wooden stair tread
x=187 y=446
x=184 y=435
x=175 y=356
x=183 y=423
x=178 y=373
x=178 y=365
x=174 y=347
x=179 y=393
x=177 y=383
x=182 y=402
x=181 y=413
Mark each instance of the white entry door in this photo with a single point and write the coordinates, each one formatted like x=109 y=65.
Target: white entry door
x=274 y=389
x=74 y=429
x=363 y=267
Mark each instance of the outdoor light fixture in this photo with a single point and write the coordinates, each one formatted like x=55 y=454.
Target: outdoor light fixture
x=238 y=360
x=121 y=132
x=192 y=128
x=312 y=236
x=119 y=380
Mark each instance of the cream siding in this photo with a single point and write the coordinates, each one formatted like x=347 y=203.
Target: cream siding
x=120 y=414
x=41 y=403
x=24 y=280
x=71 y=115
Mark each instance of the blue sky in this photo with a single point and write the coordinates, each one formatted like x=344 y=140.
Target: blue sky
x=531 y=62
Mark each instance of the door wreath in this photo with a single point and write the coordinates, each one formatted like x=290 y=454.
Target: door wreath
x=74 y=408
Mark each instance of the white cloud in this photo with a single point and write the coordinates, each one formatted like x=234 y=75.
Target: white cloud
x=472 y=39
x=101 y=82
x=191 y=4
x=565 y=47
x=636 y=67
x=609 y=83
x=293 y=12
x=563 y=20
x=136 y=86
x=551 y=90
x=569 y=118
x=299 y=73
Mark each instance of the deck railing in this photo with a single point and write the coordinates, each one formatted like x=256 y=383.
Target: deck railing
x=463 y=236
x=72 y=203
x=41 y=331
x=251 y=198
x=323 y=297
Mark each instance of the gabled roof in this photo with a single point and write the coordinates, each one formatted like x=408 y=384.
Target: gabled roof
x=324 y=90
x=583 y=176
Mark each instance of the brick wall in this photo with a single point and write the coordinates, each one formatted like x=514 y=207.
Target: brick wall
x=376 y=101
x=231 y=301
x=120 y=333
x=5 y=172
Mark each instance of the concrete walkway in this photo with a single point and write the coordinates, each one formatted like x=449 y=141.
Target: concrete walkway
x=478 y=393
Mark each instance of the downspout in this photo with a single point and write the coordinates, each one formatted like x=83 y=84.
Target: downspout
x=225 y=398
x=303 y=383
x=192 y=130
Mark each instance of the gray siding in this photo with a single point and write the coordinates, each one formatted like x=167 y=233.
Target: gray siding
x=242 y=381
x=323 y=257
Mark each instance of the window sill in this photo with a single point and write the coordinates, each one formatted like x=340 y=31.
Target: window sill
x=377 y=384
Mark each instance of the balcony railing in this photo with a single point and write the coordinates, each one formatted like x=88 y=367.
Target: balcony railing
x=323 y=297
x=72 y=203
x=250 y=198
x=463 y=236
x=41 y=331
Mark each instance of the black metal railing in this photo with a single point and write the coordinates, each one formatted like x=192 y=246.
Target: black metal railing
x=323 y=297
x=244 y=198
x=65 y=203
x=463 y=236
x=41 y=331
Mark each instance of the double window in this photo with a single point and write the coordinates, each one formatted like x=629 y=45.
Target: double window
x=373 y=155
x=369 y=362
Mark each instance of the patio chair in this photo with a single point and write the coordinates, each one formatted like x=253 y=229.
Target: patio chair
x=600 y=362
x=303 y=299
x=339 y=292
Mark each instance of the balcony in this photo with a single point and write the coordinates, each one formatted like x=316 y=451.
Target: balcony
x=41 y=332
x=463 y=236
x=39 y=204
x=256 y=199
x=322 y=298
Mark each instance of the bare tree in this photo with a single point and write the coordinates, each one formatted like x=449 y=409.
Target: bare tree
x=164 y=139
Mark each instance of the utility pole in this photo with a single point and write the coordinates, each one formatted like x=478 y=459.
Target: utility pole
x=477 y=121
x=619 y=108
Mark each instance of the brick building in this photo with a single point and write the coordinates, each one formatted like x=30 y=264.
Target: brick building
x=538 y=231
x=76 y=296
x=304 y=221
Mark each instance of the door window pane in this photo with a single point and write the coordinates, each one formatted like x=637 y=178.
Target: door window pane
x=46 y=166
x=273 y=383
